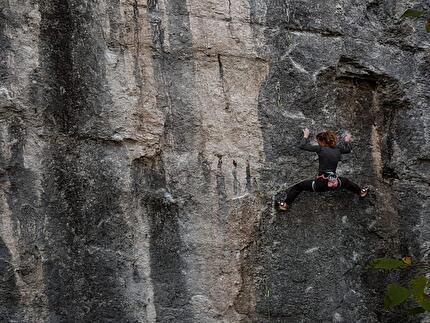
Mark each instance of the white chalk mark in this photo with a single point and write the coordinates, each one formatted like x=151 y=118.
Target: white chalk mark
x=312 y=250
x=240 y=197
x=294 y=115
x=298 y=66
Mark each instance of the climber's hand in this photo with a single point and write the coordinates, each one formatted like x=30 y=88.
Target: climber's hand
x=306 y=133
x=347 y=137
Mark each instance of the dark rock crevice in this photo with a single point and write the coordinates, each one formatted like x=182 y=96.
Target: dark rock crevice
x=74 y=93
x=156 y=26
x=5 y=44
x=223 y=85
x=171 y=299
x=84 y=227
x=137 y=65
x=174 y=71
x=221 y=191
x=115 y=36
x=84 y=231
x=9 y=295
x=389 y=100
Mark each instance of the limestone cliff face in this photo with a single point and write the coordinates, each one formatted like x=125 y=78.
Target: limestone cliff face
x=142 y=144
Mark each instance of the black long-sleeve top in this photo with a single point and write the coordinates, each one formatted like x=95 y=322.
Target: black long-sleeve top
x=328 y=157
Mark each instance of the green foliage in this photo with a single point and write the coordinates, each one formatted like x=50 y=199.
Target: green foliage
x=417 y=286
x=412 y=13
x=387 y=263
x=395 y=295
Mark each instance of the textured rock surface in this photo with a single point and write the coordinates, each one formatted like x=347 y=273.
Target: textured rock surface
x=142 y=144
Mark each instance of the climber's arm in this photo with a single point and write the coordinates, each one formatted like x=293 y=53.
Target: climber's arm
x=305 y=144
x=345 y=147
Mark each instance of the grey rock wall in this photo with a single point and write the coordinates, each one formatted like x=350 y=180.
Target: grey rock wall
x=142 y=144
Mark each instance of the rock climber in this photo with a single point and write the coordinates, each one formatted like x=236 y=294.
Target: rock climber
x=329 y=154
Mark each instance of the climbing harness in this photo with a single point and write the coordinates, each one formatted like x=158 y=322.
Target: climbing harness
x=332 y=180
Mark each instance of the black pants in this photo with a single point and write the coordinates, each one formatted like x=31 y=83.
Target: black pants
x=319 y=185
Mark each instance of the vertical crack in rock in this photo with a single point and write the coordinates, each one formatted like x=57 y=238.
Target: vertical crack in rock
x=115 y=28
x=22 y=201
x=206 y=170
x=156 y=26
x=4 y=41
x=221 y=190
x=176 y=86
x=223 y=85
x=245 y=232
x=175 y=71
x=9 y=296
x=236 y=182
x=137 y=68
x=248 y=178
x=171 y=298
x=179 y=70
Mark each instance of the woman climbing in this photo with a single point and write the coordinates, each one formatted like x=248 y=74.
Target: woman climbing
x=329 y=155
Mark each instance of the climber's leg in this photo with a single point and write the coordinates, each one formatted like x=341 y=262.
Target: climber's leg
x=311 y=185
x=294 y=191
x=351 y=186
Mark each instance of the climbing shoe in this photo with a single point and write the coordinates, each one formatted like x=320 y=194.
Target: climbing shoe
x=364 y=191
x=283 y=206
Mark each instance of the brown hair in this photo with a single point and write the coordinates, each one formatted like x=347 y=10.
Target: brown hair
x=328 y=138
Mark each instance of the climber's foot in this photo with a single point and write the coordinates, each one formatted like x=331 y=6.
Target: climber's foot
x=364 y=191
x=283 y=206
